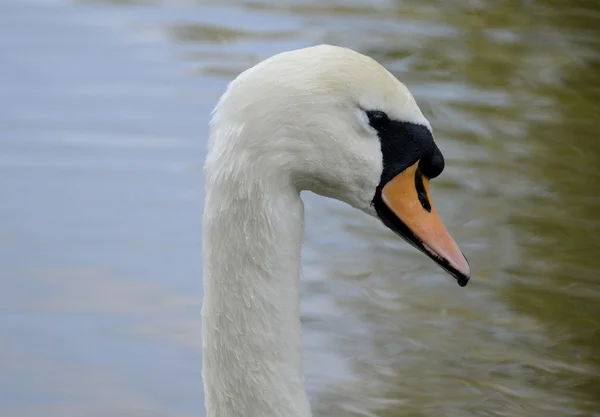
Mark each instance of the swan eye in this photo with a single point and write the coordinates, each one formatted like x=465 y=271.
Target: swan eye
x=377 y=118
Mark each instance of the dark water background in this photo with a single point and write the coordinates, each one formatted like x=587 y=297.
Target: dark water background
x=103 y=114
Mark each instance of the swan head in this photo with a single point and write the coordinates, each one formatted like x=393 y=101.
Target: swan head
x=333 y=121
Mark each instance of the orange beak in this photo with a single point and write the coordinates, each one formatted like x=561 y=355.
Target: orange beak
x=411 y=214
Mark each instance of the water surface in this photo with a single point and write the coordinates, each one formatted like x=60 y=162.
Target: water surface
x=102 y=138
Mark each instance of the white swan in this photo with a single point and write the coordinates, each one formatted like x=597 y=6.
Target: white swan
x=325 y=119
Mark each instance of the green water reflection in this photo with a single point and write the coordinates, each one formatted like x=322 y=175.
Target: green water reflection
x=531 y=79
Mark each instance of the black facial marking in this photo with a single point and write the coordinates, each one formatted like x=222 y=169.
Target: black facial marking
x=402 y=145
x=432 y=164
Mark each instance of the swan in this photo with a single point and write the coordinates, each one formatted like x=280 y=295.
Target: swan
x=325 y=119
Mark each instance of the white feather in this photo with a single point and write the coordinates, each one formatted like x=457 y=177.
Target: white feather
x=293 y=122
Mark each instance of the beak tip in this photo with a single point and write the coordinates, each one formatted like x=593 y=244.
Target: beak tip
x=464 y=275
x=462 y=280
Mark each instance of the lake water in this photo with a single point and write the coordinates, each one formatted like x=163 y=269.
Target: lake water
x=103 y=126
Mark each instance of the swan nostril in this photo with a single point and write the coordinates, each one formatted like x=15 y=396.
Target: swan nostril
x=421 y=192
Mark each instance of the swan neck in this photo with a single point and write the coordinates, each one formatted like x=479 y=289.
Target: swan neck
x=252 y=236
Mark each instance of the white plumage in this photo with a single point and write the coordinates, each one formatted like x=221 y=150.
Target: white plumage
x=293 y=122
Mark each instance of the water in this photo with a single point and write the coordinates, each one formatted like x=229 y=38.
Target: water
x=103 y=115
